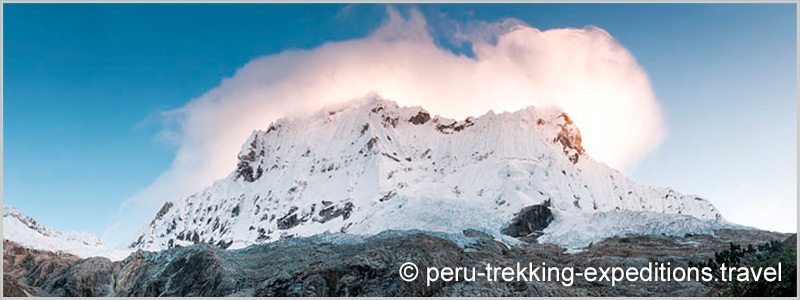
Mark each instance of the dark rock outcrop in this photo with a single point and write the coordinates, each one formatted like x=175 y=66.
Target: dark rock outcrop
x=421 y=118
x=529 y=220
x=331 y=212
x=163 y=211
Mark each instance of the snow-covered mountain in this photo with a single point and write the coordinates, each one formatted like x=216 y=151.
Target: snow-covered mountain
x=25 y=231
x=368 y=165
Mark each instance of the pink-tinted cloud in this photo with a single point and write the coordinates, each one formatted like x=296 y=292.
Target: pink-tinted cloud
x=585 y=71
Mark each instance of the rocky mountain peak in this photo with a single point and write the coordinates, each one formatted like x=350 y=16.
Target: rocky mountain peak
x=371 y=165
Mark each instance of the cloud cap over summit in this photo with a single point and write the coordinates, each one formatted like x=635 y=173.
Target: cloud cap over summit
x=584 y=71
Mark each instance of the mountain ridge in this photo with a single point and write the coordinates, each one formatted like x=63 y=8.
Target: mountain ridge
x=26 y=231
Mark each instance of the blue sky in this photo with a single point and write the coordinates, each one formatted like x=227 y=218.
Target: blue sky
x=83 y=85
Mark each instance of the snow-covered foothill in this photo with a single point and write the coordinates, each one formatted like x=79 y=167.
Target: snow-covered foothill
x=25 y=231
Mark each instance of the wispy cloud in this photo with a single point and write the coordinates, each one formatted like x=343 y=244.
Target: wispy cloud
x=585 y=71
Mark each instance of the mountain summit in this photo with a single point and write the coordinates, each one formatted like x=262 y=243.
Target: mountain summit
x=369 y=165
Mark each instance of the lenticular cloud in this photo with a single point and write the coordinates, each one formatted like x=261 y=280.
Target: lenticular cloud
x=584 y=71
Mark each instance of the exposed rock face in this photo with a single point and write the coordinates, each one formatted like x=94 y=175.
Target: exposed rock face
x=25 y=268
x=570 y=139
x=529 y=220
x=89 y=277
x=163 y=211
x=317 y=267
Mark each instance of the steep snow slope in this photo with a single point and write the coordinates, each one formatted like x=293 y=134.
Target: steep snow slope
x=25 y=231
x=369 y=165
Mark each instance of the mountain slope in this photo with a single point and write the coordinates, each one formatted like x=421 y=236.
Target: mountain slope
x=25 y=231
x=369 y=165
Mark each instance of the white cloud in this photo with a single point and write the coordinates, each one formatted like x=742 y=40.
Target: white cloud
x=585 y=71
